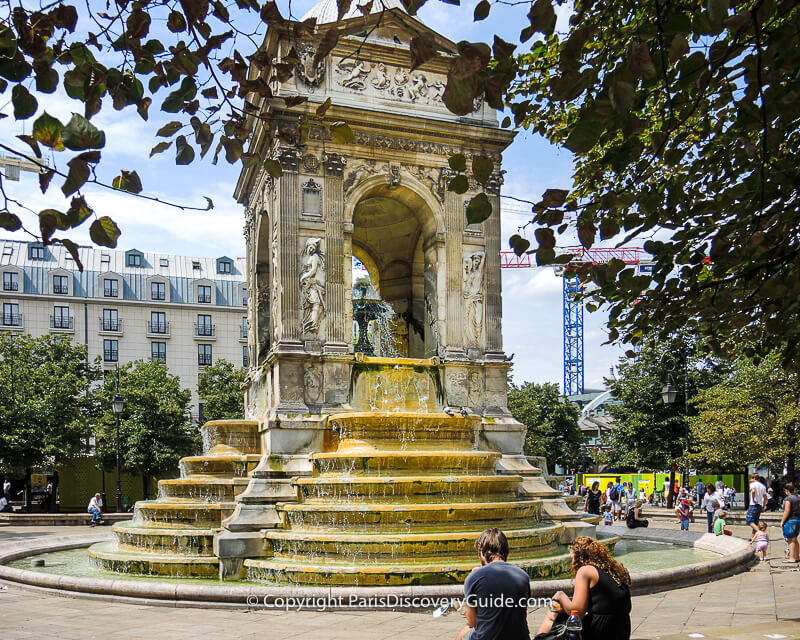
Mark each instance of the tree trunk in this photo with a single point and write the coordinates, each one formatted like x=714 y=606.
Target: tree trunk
x=28 y=492
x=791 y=453
x=146 y=486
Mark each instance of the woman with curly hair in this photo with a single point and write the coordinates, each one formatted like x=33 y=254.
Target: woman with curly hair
x=601 y=595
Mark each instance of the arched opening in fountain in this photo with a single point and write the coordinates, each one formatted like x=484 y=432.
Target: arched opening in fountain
x=393 y=240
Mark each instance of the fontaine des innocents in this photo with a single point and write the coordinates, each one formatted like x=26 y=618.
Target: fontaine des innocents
x=347 y=470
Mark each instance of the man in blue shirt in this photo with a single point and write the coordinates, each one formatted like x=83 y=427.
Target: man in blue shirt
x=496 y=594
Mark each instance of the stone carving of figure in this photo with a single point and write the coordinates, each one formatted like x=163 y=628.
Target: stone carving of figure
x=312 y=285
x=354 y=74
x=276 y=321
x=359 y=172
x=473 y=296
x=400 y=77
x=418 y=87
x=380 y=80
x=436 y=91
x=432 y=179
x=312 y=383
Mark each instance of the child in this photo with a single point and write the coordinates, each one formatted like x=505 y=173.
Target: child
x=683 y=513
x=761 y=538
x=608 y=517
x=719 y=524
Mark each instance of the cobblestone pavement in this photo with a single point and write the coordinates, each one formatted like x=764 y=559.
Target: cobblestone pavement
x=762 y=603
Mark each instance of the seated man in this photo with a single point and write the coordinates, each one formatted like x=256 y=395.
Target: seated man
x=96 y=509
x=495 y=593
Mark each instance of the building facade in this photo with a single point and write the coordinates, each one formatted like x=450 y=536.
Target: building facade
x=129 y=305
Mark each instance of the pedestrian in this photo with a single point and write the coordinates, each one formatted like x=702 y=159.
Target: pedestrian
x=701 y=488
x=666 y=490
x=719 y=524
x=96 y=509
x=47 y=505
x=4 y=506
x=642 y=495
x=635 y=519
x=758 y=499
x=592 y=504
x=707 y=503
x=682 y=511
x=7 y=488
x=616 y=499
x=495 y=593
x=608 y=515
x=791 y=522
x=601 y=595
x=720 y=485
x=630 y=498
x=761 y=540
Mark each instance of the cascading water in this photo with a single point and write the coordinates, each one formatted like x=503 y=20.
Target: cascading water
x=373 y=318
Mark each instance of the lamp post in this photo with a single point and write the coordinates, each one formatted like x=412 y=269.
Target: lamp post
x=669 y=394
x=116 y=406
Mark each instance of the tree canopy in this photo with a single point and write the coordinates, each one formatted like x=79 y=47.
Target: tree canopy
x=219 y=387
x=43 y=400
x=155 y=427
x=552 y=423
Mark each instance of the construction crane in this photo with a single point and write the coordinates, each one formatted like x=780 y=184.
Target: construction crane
x=572 y=308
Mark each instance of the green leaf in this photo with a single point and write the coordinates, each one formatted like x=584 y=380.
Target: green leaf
x=482 y=10
x=127 y=181
x=104 y=232
x=184 y=153
x=80 y=134
x=586 y=233
x=25 y=104
x=233 y=149
x=176 y=22
x=423 y=49
x=621 y=94
x=458 y=162
x=209 y=203
x=482 y=168
x=45 y=178
x=519 y=244
x=678 y=47
x=47 y=80
x=49 y=221
x=273 y=168
x=76 y=177
x=161 y=146
x=583 y=137
x=542 y=17
x=74 y=251
x=169 y=129
x=48 y=130
x=323 y=108
x=478 y=209
x=718 y=10
x=639 y=61
x=32 y=144
x=10 y=221
x=341 y=133
x=554 y=197
x=459 y=184
x=78 y=212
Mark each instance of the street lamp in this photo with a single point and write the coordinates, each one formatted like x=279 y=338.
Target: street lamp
x=117 y=405
x=669 y=394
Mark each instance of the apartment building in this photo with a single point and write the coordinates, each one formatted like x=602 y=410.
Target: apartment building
x=129 y=305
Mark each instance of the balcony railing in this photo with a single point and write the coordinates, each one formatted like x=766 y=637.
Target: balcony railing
x=61 y=289
x=243 y=332
x=205 y=330
x=108 y=292
x=60 y=322
x=12 y=319
x=110 y=355
x=158 y=328
x=204 y=298
x=112 y=325
x=10 y=286
x=204 y=360
x=162 y=357
x=158 y=295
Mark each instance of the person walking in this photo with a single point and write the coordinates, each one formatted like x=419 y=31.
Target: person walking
x=790 y=522
x=701 y=488
x=7 y=489
x=707 y=503
x=761 y=540
x=758 y=500
x=593 y=496
x=495 y=593
x=601 y=595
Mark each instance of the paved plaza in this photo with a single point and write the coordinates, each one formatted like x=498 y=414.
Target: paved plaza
x=761 y=603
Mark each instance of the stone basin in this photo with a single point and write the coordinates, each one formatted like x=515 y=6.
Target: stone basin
x=415 y=462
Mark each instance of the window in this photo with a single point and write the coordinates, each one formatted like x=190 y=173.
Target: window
x=223 y=266
x=110 y=320
x=312 y=199
x=10 y=281
x=158 y=291
x=204 y=355
x=158 y=322
x=36 y=252
x=61 y=319
x=204 y=294
x=244 y=296
x=110 y=288
x=8 y=250
x=243 y=328
x=105 y=258
x=111 y=350
x=204 y=326
x=196 y=265
x=60 y=285
x=244 y=356
x=201 y=407
x=11 y=317
x=163 y=262
x=134 y=260
x=158 y=351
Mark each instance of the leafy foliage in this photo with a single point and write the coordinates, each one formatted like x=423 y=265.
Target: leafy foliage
x=44 y=406
x=752 y=418
x=155 y=429
x=648 y=434
x=552 y=423
x=219 y=386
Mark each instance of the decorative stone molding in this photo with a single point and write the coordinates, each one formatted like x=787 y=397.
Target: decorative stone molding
x=311 y=199
x=307 y=72
x=495 y=182
x=334 y=163
x=310 y=163
x=289 y=158
x=312 y=286
x=353 y=73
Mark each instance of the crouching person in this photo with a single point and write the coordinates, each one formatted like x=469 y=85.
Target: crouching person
x=496 y=593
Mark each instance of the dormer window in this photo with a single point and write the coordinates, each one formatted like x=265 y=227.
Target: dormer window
x=163 y=262
x=223 y=266
x=196 y=265
x=105 y=258
x=8 y=250
x=134 y=260
x=36 y=252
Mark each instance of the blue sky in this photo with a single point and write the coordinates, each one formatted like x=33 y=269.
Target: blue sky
x=531 y=297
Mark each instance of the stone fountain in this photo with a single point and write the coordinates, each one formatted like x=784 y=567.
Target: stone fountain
x=349 y=471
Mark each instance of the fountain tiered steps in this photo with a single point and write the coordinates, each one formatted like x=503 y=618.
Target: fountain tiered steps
x=173 y=535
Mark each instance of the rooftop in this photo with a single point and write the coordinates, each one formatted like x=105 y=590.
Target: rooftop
x=326 y=11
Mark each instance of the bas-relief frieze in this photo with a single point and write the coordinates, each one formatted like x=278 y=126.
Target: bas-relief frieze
x=465 y=387
x=312 y=383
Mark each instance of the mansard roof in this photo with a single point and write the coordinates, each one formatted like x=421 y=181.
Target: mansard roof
x=326 y=11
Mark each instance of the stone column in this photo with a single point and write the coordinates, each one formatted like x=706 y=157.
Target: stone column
x=333 y=211
x=288 y=218
x=454 y=225
x=494 y=300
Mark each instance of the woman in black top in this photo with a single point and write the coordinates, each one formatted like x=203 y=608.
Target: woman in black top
x=593 y=499
x=601 y=595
